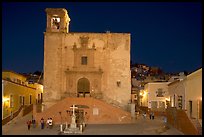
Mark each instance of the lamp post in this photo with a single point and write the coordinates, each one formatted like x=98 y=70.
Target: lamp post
x=67 y=120
x=61 y=128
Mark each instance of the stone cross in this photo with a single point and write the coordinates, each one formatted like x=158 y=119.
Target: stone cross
x=74 y=109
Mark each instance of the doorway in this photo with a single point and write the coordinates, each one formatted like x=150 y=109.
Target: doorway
x=83 y=87
x=190 y=107
x=200 y=109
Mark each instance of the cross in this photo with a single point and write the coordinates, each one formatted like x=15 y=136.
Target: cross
x=73 y=109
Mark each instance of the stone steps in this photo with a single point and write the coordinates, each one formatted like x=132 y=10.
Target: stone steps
x=197 y=125
x=98 y=111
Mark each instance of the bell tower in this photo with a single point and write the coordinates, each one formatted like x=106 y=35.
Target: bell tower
x=57 y=20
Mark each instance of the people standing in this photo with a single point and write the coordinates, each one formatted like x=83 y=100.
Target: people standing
x=50 y=123
x=34 y=123
x=42 y=123
x=152 y=115
x=28 y=124
x=47 y=123
x=144 y=115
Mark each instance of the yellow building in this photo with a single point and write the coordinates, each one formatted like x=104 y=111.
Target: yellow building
x=17 y=92
x=194 y=94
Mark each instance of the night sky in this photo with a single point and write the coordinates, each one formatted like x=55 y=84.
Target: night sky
x=166 y=35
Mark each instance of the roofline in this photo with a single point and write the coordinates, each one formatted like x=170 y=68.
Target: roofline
x=13 y=72
x=194 y=72
x=174 y=82
x=96 y=32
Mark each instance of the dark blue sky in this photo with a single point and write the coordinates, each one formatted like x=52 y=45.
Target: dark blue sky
x=167 y=35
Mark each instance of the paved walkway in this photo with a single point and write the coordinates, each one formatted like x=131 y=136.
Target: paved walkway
x=140 y=126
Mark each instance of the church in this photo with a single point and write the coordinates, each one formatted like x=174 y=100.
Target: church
x=84 y=65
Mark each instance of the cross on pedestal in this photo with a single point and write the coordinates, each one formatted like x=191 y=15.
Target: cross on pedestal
x=74 y=109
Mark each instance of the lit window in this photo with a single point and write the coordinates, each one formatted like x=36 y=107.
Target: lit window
x=84 y=60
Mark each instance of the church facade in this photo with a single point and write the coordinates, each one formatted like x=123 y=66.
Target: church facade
x=84 y=64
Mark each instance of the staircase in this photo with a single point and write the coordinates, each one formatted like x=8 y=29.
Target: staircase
x=197 y=125
x=98 y=111
x=181 y=121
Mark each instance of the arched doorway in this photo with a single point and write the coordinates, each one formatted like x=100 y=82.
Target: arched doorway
x=83 y=87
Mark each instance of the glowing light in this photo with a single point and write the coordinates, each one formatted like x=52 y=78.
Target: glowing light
x=5 y=99
x=168 y=99
x=145 y=92
x=141 y=93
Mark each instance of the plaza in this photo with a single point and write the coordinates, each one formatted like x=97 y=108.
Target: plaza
x=139 y=126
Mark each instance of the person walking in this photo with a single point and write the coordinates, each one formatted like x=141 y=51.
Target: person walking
x=28 y=124
x=42 y=123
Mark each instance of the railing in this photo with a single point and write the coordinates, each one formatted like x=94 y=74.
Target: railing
x=179 y=120
x=9 y=118
x=27 y=109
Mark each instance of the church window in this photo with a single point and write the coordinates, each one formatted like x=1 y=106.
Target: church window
x=84 y=60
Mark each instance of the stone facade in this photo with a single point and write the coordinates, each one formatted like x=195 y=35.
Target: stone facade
x=85 y=64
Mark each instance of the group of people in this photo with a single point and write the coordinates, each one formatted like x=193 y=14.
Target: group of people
x=151 y=115
x=31 y=122
x=42 y=123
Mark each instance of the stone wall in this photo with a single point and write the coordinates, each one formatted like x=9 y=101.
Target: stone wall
x=111 y=56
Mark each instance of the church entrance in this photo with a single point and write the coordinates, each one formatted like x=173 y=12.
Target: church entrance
x=83 y=87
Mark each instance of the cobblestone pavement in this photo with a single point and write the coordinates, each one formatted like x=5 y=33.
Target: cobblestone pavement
x=139 y=126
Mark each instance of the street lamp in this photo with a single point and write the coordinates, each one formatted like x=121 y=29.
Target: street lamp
x=67 y=120
x=61 y=121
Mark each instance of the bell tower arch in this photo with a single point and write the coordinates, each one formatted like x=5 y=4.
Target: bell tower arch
x=57 y=20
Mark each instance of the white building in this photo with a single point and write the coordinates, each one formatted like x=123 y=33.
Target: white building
x=194 y=94
x=155 y=96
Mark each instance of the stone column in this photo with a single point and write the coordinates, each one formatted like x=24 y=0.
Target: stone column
x=132 y=110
